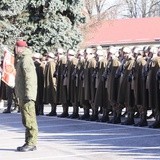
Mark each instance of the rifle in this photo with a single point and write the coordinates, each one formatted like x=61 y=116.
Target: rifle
x=95 y=72
x=65 y=71
x=131 y=74
x=107 y=71
x=145 y=69
x=120 y=69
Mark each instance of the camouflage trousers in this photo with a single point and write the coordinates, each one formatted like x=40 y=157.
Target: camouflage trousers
x=29 y=121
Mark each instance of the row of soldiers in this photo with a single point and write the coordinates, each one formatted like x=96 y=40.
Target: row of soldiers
x=111 y=79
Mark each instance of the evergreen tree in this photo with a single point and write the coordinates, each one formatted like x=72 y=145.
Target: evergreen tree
x=45 y=24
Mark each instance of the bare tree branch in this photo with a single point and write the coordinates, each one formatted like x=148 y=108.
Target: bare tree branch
x=141 y=8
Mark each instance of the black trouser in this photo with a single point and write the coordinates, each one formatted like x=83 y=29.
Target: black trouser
x=9 y=92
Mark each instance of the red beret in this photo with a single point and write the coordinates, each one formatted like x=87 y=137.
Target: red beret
x=21 y=43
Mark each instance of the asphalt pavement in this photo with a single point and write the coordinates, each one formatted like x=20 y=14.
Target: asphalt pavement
x=73 y=139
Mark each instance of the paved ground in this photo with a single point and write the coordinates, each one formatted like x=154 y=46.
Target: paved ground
x=67 y=139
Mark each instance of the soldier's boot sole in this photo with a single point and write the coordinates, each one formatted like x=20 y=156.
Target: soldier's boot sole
x=63 y=115
x=128 y=122
x=141 y=123
x=156 y=124
x=93 y=118
x=115 y=120
x=74 y=116
x=84 y=117
x=104 y=119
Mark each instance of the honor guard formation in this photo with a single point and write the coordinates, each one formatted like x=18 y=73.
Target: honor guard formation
x=101 y=81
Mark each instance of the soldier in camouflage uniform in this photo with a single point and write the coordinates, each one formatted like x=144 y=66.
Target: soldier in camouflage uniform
x=26 y=91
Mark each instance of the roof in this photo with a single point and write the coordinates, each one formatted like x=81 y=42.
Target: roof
x=123 y=31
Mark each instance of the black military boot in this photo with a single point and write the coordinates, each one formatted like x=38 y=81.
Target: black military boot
x=26 y=148
x=143 y=121
x=105 y=117
x=94 y=116
x=113 y=119
x=65 y=111
x=156 y=124
x=129 y=120
x=75 y=113
x=118 y=119
x=86 y=114
x=137 y=115
x=117 y=109
x=52 y=113
x=53 y=110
